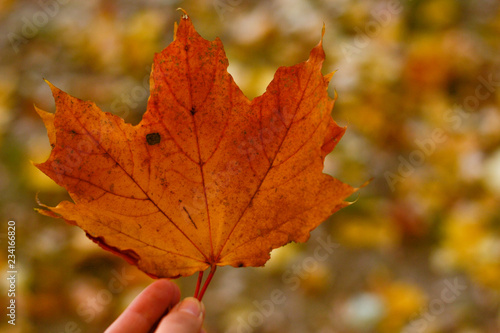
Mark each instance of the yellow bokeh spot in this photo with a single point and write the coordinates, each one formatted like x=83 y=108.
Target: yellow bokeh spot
x=367 y=234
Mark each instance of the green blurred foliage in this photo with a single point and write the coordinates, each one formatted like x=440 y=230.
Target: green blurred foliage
x=418 y=84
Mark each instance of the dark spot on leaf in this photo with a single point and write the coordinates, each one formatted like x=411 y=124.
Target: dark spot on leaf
x=186 y=47
x=193 y=111
x=153 y=138
x=240 y=264
x=190 y=218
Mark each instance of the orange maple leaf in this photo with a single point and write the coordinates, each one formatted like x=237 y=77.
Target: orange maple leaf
x=207 y=178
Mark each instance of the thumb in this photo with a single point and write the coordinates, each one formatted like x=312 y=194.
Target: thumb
x=185 y=317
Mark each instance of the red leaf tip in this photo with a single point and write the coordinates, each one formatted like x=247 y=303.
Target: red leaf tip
x=317 y=55
x=185 y=15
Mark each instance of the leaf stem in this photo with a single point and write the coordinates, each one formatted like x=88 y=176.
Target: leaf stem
x=198 y=284
x=207 y=282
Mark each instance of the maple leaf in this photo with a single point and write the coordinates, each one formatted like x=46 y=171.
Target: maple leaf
x=208 y=177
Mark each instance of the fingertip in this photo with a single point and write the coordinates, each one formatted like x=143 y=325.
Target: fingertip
x=148 y=307
x=193 y=306
x=186 y=317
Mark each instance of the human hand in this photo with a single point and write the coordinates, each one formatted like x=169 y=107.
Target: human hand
x=149 y=308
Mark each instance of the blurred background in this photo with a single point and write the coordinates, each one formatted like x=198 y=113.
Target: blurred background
x=418 y=84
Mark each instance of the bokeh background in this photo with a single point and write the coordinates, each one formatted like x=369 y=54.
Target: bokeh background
x=418 y=84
